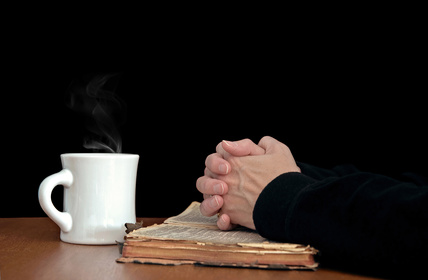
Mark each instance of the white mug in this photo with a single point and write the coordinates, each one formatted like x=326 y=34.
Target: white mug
x=99 y=197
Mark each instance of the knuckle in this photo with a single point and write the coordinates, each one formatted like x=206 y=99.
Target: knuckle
x=246 y=142
x=202 y=208
x=213 y=160
x=284 y=148
x=200 y=183
x=208 y=159
x=266 y=139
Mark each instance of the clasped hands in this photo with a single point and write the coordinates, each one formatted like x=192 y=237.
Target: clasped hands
x=235 y=176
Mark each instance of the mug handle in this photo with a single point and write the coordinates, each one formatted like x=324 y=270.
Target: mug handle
x=62 y=219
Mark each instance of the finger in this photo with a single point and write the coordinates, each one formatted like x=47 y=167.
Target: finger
x=211 y=205
x=224 y=223
x=210 y=186
x=210 y=174
x=217 y=164
x=243 y=147
x=270 y=144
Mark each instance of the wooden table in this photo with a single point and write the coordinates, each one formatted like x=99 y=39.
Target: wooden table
x=30 y=249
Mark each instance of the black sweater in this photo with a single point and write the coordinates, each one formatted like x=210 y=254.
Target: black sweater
x=358 y=220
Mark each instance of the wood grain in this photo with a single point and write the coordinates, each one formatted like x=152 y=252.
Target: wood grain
x=30 y=249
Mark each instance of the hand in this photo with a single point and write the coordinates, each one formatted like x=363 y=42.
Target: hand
x=213 y=189
x=242 y=178
x=249 y=175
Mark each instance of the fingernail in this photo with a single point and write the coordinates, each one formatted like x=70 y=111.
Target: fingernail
x=218 y=188
x=220 y=219
x=223 y=168
x=230 y=143
x=214 y=202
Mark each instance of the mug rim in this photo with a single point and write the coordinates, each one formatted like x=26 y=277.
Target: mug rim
x=98 y=155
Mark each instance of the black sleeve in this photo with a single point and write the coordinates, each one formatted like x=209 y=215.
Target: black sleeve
x=359 y=220
x=322 y=173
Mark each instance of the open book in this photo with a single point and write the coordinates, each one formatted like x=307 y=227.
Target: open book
x=191 y=238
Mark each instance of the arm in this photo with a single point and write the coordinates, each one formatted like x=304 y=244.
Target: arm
x=360 y=219
x=322 y=173
x=354 y=218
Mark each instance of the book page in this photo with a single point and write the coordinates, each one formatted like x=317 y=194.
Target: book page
x=198 y=234
x=192 y=226
x=192 y=216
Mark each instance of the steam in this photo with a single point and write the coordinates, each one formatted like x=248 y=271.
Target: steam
x=102 y=110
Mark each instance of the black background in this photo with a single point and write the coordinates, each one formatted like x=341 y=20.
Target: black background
x=334 y=94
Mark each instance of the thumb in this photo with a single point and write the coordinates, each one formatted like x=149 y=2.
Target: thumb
x=244 y=147
x=270 y=144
